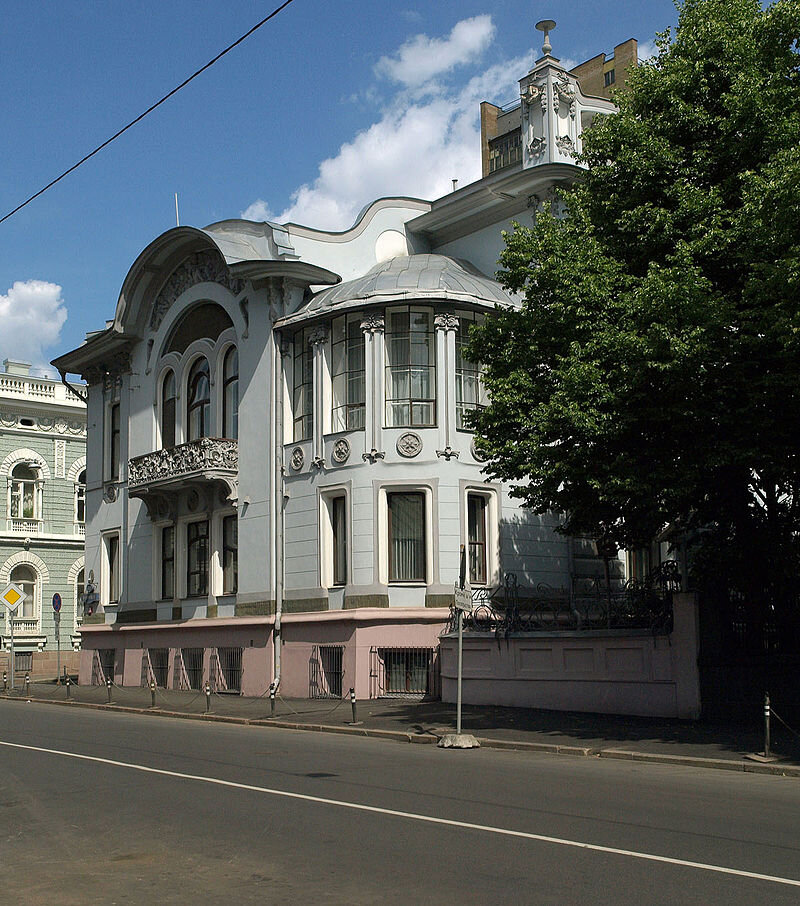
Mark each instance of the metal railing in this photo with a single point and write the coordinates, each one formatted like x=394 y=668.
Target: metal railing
x=400 y=672
x=325 y=671
x=592 y=604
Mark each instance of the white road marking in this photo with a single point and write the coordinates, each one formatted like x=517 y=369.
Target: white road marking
x=412 y=816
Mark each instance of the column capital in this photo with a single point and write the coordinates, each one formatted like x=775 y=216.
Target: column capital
x=373 y=324
x=318 y=334
x=446 y=321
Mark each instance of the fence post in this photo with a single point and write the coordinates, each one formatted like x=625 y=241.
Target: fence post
x=108 y=689
x=272 y=699
x=68 y=684
x=766 y=725
x=355 y=720
x=152 y=694
x=208 y=696
x=27 y=685
x=5 y=681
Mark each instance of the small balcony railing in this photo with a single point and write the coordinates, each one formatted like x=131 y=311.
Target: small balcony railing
x=24 y=526
x=205 y=459
x=24 y=626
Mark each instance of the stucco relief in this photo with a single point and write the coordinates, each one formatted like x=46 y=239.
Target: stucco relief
x=206 y=454
x=297 y=459
x=341 y=450
x=201 y=267
x=409 y=444
x=446 y=321
x=45 y=425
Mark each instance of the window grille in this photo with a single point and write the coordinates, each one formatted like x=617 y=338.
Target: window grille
x=23 y=661
x=192 y=667
x=155 y=666
x=226 y=669
x=404 y=672
x=103 y=666
x=325 y=671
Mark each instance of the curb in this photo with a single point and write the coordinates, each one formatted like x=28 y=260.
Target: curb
x=431 y=738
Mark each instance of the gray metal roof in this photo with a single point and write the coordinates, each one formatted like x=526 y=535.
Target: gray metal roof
x=414 y=277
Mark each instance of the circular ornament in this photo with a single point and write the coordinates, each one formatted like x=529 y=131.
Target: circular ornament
x=409 y=444
x=192 y=500
x=297 y=459
x=110 y=493
x=341 y=450
x=477 y=454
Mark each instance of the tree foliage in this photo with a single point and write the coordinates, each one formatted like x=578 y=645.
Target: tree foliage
x=652 y=374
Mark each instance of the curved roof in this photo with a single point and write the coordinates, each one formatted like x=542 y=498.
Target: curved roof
x=413 y=277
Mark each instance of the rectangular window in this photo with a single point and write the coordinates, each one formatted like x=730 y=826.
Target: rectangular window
x=407 y=537
x=114 y=442
x=470 y=393
x=197 y=558
x=610 y=78
x=339 y=534
x=230 y=555
x=347 y=373
x=112 y=552
x=168 y=562
x=410 y=368
x=476 y=538
x=303 y=386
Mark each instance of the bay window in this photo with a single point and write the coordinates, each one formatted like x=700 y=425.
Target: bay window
x=470 y=393
x=347 y=373
x=302 y=386
x=410 y=368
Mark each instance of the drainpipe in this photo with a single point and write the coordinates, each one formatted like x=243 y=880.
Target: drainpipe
x=278 y=503
x=72 y=390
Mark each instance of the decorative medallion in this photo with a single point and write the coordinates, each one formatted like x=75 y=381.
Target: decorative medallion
x=297 y=459
x=409 y=444
x=565 y=145
x=110 y=493
x=477 y=454
x=341 y=450
x=192 y=500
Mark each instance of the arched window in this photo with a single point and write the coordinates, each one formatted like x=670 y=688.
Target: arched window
x=80 y=498
x=80 y=589
x=168 y=410
x=230 y=393
x=26 y=577
x=198 y=407
x=24 y=503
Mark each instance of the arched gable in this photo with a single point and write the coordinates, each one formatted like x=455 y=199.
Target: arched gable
x=27 y=558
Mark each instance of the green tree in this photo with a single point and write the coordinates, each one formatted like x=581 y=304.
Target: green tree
x=652 y=374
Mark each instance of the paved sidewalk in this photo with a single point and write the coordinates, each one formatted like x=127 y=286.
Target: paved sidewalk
x=721 y=746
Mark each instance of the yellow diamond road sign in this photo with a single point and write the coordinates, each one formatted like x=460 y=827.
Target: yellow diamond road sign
x=12 y=596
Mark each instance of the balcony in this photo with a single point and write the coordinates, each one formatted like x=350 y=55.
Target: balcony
x=201 y=464
x=24 y=526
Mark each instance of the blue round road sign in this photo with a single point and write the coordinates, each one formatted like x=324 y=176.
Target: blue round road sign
x=56 y=602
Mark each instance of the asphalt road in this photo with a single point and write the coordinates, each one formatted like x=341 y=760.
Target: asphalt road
x=160 y=811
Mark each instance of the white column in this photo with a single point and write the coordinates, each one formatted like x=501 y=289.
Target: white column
x=446 y=325
x=373 y=327
x=318 y=338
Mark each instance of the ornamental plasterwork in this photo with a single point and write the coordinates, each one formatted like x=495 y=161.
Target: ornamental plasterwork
x=477 y=454
x=373 y=323
x=200 y=267
x=531 y=93
x=198 y=456
x=448 y=453
x=446 y=321
x=45 y=425
x=537 y=146
x=565 y=145
x=341 y=450
x=318 y=335
x=297 y=459
x=373 y=456
x=60 y=457
x=565 y=91
x=409 y=444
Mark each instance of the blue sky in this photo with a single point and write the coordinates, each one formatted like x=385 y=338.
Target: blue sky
x=329 y=105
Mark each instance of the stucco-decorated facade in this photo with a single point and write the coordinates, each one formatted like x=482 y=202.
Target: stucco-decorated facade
x=279 y=475
x=43 y=474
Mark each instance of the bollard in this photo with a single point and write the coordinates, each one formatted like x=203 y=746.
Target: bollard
x=108 y=688
x=353 y=705
x=68 y=685
x=152 y=694
x=208 y=696
x=766 y=724
x=272 y=699
x=5 y=681
x=27 y=685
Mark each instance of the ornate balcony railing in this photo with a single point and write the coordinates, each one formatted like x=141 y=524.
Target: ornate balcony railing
x=24 y=627
x=638 y=605
x=24 y=526
x=208 y=457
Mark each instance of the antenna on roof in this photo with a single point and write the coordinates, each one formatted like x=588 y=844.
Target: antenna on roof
x=546 y=26
x=177 y=217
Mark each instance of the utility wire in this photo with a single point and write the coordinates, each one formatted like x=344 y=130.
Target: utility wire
x=150 y=109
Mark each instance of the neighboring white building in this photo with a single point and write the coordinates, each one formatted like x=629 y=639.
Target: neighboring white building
x=43 y=470
x=279 y=477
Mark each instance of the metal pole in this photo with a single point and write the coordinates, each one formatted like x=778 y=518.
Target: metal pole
x=353 y=704
x=68 y=685
x=5 y=681
x=27 y=685
x=108 y=689
x=11 y=671
x=272 y=700
x=208 y=696
x=460 y=653
x=152 y=694
x=766 y=725
x=57 y=617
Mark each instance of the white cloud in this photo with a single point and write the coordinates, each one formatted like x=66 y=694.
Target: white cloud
x=416 y=149
x=647 y=50
x=258 y=210
x=32 y=314
x=422 y=58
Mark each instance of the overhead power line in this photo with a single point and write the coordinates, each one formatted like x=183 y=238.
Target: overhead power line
x=150 y=109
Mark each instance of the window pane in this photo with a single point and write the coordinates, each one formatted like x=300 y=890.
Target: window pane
x=407 y=537
x=168 y=562
x=230 y=555
x=476 y=537
x=168 y=411
x=410 y=371
x=339 y=526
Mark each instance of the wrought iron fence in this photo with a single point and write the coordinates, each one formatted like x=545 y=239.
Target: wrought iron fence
x=590 y=604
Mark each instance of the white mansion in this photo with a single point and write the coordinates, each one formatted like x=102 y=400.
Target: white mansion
x=279 y=475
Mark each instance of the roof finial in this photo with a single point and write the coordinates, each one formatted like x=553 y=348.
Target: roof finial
x=546 y=26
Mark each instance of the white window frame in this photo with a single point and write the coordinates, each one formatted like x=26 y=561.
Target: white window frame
x=326 y=530
x=383 y=532
x=492 y=515
x=106 y=567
